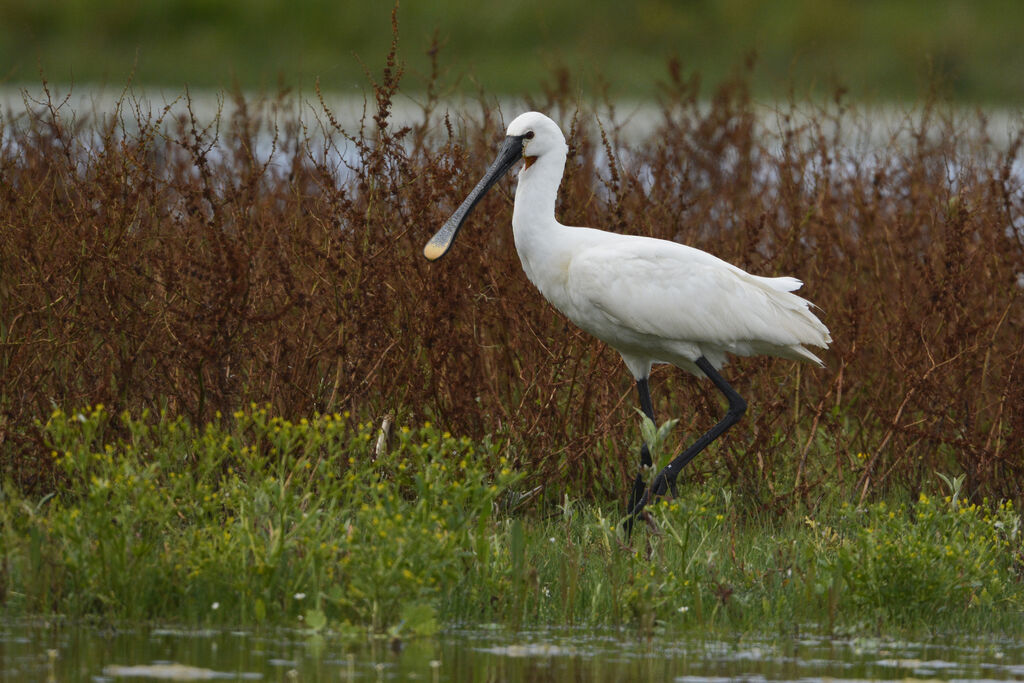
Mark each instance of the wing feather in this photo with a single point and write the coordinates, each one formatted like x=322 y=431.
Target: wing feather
x=639 y=293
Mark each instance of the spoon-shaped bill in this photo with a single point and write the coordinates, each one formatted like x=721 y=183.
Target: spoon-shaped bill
x=511 y=152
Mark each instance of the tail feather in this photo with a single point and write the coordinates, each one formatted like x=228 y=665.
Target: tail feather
x=783 y=284
x=801 y=326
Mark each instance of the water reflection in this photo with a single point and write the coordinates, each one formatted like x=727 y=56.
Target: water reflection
x=37 y=651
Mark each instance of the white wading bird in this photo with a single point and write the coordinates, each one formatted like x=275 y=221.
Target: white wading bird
x=652 y=300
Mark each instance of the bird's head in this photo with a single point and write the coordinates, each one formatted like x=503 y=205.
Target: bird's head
x=530 y=136
x=539 y=134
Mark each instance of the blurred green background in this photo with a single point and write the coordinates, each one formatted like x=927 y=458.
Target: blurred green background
x=879 y=49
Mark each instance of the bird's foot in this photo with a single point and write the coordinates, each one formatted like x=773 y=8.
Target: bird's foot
x=664 y=483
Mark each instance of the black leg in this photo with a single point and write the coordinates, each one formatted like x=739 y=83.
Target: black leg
x=667 y=477
x=645 y=454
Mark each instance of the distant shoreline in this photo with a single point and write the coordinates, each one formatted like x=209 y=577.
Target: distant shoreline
x=867 y=126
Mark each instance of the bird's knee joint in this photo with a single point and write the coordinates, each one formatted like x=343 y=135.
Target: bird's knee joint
x=737 y=408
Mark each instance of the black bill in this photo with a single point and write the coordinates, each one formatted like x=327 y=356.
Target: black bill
x=511 y=152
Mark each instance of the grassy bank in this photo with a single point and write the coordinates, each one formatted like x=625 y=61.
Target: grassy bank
x=320 y=524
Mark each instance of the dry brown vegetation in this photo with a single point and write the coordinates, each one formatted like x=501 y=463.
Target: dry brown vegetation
x=156 y=261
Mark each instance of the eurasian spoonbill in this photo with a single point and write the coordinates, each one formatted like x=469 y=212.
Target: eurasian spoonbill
x=652 y=300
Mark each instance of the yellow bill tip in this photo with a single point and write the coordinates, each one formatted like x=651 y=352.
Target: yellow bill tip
x=434 y=251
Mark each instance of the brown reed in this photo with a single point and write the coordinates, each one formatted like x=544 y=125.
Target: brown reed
x=153 y=261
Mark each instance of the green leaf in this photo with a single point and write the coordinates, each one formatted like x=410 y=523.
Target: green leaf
x=315 y=619
x=420 y=618
x=647 y=429
x=665 y=428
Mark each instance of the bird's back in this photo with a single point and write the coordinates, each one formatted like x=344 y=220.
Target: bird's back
x=660 y=301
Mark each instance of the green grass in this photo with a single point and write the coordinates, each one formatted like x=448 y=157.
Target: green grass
x=877 y=49
x=257 y=520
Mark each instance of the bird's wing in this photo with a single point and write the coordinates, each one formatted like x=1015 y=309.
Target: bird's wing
x=664 y=290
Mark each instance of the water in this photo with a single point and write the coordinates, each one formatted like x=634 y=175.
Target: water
x=37 y=652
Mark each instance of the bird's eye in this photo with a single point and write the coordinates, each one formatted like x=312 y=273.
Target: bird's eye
x=529 y=135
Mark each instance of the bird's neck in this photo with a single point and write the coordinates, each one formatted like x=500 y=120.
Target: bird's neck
x=537 y=192
x=540 y=240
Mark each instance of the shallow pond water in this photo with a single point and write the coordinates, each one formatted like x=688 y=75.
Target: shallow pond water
x=40 y=652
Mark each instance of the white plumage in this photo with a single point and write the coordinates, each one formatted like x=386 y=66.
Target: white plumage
x=652 y=300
